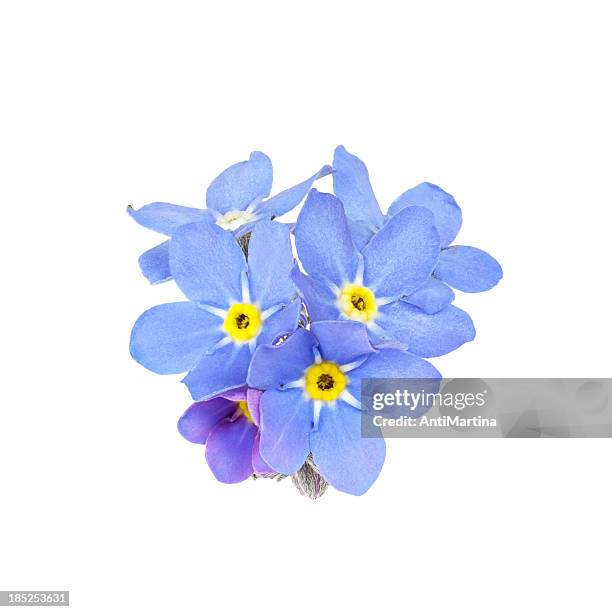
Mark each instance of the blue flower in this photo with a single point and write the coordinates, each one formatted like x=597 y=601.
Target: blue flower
x=343 y=283
x=311 y=385
x=234 y=306
x=463 y=267
x=236 y=200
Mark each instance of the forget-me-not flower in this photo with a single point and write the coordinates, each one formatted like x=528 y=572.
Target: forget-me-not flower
x=311 y=402
x=233 y=307
x=463 y=267
x=235 y=201
x=342 y=283
x=229 y=426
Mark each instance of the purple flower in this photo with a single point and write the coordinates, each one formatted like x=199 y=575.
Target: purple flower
x=229 y=426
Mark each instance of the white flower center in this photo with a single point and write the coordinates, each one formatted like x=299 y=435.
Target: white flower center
x=234 y=219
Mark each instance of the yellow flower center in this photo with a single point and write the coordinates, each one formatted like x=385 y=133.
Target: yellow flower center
x=242 y=322
x=244 y=408
x=357 y=303
x=324 y=381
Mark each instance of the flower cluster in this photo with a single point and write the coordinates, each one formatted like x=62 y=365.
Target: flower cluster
x=275 y=339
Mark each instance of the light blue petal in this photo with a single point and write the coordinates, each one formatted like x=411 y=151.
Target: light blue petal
x=286 y=420
x=283 y=322
x=348 y=462
x=241 y=184
x=214 y=374
x=468 y=269
x=207 y=264
x=342 y=341
x=270 y=264
x=427 y=335
x=319 y=299
x=361 y=233
x=393 y=363
x=323 y=240
x=274 y=366
x=170 y=338
x=352 y=186
x=403 y=254
x=442 y=205
x=431 y=297
x=167 y=218
x=287 y=200
x=155 y=264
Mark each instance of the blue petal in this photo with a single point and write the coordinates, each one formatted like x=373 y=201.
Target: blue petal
x=361 y=233
x=319 y=299
x=403 y=254
x=432 y=297
x=170 y=338
x=349 y=462
x=323 y=240
x=273 y=366
x=287 y=200
x=352 y=186
x=207 y=264
x=342 y=341
x=167 y=218
x=214 y=374
x=468 y=269
x=286 y=420
x=442 y=205
x=270 y=264
x=198 y=420
x=241 y=184
x=155 y=264
x=393 y=363
x=283 y=322
x=427 y=335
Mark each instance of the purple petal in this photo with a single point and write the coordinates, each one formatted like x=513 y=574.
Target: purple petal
x=236 y=395
x=200 y=418
x=253 y=397
x=229 y=450
x=259 y=465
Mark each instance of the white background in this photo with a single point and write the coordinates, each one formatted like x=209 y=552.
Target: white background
x=505 y=105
